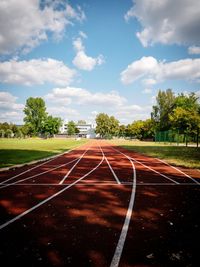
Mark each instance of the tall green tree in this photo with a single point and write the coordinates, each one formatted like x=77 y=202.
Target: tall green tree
x=35 y=114
x=165 y=103
x=71 y=128
x=113 y=126
x=102 y=124
x=107 y=127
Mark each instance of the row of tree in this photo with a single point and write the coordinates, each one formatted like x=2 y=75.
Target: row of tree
x=37 y=122
x=11 y=130
x=179 y=113
x=109 y=126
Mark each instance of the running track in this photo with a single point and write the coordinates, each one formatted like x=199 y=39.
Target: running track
x=100 y=205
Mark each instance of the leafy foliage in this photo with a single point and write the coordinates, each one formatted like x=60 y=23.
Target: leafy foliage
x=35 y=114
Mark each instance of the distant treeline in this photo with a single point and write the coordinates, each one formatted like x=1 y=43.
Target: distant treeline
x=178 y=113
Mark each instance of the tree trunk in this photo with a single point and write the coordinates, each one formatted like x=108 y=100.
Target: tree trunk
x=197 y=138
x=186 y=140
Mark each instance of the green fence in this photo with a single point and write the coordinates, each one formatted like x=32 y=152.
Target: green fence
x=173 y=137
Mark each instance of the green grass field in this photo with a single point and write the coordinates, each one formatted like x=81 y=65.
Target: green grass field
x=18 y=151
x=175 y=155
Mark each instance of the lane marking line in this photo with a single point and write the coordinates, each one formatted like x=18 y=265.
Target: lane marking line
x=48 y=199
x=103 y=183
x=146 y=166
x=56 y=156
x=68 y=173
x=120 y=245
x=36 y=175
x=188 y=176
x=114 y=174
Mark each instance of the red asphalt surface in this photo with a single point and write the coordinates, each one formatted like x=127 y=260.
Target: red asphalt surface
x=97 y=206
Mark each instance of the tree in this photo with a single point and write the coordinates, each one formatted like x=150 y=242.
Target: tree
x=35 y=111
x=51 y=126
x=148 y=129
x=71 y=128
x=113 y=126
x=9 y=133
x=122 y=131
x=2 y=133
x=186 y=116
x=137 y=128
x=107 y=127
x=102 y=121
x=161 y=111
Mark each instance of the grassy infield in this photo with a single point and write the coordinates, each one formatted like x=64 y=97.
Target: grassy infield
x=15 y=151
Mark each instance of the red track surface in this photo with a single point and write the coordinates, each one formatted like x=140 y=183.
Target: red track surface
x=112 y=207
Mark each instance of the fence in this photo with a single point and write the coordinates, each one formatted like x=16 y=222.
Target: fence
x=171 y=136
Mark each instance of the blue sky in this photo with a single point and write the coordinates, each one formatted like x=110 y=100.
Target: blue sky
x=86 y=57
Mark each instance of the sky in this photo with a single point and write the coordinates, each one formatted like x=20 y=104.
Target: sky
x=84 y=57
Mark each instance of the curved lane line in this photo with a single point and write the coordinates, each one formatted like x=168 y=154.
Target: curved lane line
x=114 y=174
x=48 y=199
x=120 y=245
x=146 y=166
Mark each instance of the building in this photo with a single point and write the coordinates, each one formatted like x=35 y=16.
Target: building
x=86 y=130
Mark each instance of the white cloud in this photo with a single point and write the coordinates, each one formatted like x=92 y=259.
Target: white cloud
x=186 y=69
x=147 y=91
x=10 y=111
x=84 y=97
x=82 y=60
x=24 y=24
x=36 y=71
x=194 y=50
x=167 y=21
x=138 y=69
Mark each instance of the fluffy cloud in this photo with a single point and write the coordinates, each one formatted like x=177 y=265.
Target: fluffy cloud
x=26 y=23
x=82 y=60
x=167 y=21
x=186 y=69
x=10 y=111
x=36 y=71
x=84 y=97
x=194 y=50
x=138 y=69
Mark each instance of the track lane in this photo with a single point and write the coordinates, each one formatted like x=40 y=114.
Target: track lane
x=20 y=215
x=82 y=226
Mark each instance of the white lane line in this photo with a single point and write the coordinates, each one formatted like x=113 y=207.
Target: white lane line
x=188 y=176
x=120 y=245
x=48 y=199
x=103 y=183
x=56 y=156
x=114 y=174
x=65 y=177
x=147 y=166
x=36 y=175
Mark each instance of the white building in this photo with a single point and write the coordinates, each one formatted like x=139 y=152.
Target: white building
x=86 y=130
